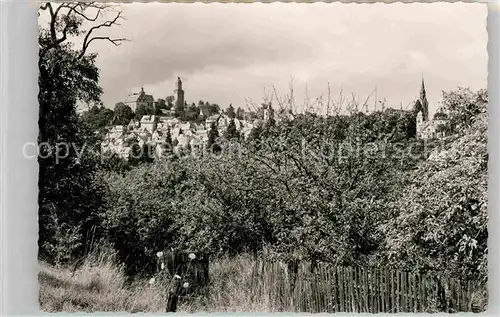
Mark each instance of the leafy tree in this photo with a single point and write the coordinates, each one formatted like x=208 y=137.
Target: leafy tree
x=170 y=102
x=213 y=136
x=123 y=114
x=114 y=163
x=230 y=112
x=212 y=108
x=168 y=146
x=160 y=105
x=342 y=189
x=240 y=113
x=441 y=225
x=193 y=108
x=70 y=196
x=97 y=117
x=140 y=220
x=192 y=113
x=256 y=132
x=462 y=107
x=232 y=132
x=208 y=109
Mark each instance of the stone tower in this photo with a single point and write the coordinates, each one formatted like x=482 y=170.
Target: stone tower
x=179 y=93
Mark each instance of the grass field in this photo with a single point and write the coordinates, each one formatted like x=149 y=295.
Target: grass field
x=101 y=286
x=237 y=284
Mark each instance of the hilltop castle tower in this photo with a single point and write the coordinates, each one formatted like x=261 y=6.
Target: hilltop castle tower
x=179 y=93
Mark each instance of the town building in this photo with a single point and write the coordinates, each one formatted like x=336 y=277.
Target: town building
x=139 y=99
x=153 y=130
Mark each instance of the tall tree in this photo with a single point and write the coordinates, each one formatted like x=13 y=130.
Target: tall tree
x=169 y=100
x=214 y=109
x=240 y=113
x=230 y=112
x=232 y=132
x=97 y=117
x=213 y=136
x=159 y=105
x=192 y=112
x=123 y=113
x=168 y=142
x=69 y=195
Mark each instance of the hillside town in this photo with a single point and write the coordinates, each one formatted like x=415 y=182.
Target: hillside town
x=155 y=130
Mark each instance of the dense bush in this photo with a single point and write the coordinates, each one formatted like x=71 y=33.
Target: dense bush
x=313 y=188
x=442 y=215
x=142 y=212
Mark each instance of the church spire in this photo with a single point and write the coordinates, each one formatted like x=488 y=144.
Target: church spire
x=422 y=90
x=423 y=101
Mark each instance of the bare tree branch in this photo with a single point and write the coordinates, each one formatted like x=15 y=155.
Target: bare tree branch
x=67 y=26
x=99 y=6
x=116 y=42
x=87 y=40
x=278 y=99
x=78 y=9
x=64 y=5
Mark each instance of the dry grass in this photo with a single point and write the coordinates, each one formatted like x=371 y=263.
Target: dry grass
x=95 y=288
x=99 y=286
x=233 y=289
x=238 y=284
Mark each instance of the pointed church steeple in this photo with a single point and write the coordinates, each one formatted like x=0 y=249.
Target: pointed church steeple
x=423 y=101
x=422 y=90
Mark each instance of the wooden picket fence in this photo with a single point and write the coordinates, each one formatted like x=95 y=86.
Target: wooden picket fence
x=357 y=289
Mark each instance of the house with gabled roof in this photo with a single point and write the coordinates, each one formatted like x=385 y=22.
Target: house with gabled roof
x=135 y=100
x=149 y=122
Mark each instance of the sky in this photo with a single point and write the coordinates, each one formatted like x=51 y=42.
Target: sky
x=229 y=53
